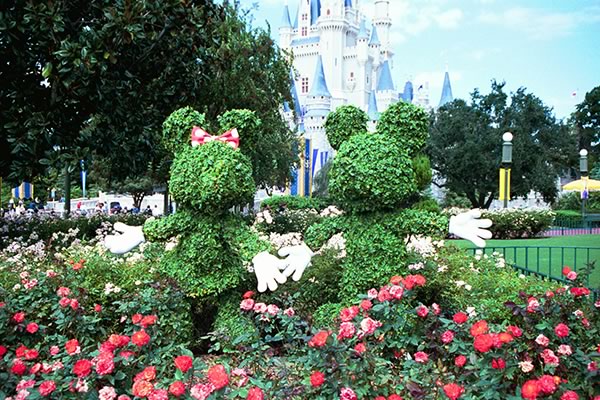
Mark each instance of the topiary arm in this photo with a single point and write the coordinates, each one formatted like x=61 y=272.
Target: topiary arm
x=419 y=223
x=162 y=229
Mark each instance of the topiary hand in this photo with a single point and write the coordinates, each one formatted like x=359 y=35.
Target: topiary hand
x=267 y=270
x=131 y=237
x=298 y=259
x=468 y=226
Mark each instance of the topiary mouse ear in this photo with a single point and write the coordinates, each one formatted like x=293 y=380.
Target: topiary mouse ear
x=177 y=128
x=343 y=123
x=247 y=124
x=405 y=124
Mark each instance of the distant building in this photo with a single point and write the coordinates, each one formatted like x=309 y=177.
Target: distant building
x=340 y=58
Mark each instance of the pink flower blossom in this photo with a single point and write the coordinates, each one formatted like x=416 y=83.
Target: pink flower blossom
x=50 y=273
x=421 y=357
x=107 y=393
x=289 y=312
x=542 y=340
x=526 y=366
x=447 y=337
x=592 y=366
x=549 y=357
x=436 y=309
x=422 y=311
x=272 y=309
x=532 y=304
x=396 y=292
x=63 y=291
x=347 y=394
x=572 y=275
x=260 y=308
x=347 y=330
x=201 y=391
x=54 y=350
x=368 y=325
x=247 y=304
x=372 y=294
x=564 y=350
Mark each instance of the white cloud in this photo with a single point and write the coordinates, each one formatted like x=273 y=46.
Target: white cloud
x=540 y=24
x=449 y=19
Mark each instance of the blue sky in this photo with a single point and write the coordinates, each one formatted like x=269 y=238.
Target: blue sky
x=550 y=47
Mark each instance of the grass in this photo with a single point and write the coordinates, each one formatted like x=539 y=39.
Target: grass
x=549 y=255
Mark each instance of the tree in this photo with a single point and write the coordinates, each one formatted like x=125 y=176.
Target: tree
x=586 y=120
x=465 y=145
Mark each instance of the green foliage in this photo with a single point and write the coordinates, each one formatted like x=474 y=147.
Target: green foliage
x=406 y=125
x=427 y=204
x=293 y=203
x=326 y=314
x=452 y=199
x=212 y=178
x=423 y=173
x=572 y=201
x=288 y=220
x=343 y=123
x=321 y=181
x=230 y=325
x=586 y=120
x=177 y=128
x=466 y=142
x=370 y=174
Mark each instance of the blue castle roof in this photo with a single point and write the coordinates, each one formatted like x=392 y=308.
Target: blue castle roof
x=372 y=110
x=408 y=94
x=315 y=11
x=295 y=98
x=348 y=3
x=319 y=86
x=385 y=81
x=362 y=33
x=285 y=19
x=374 y=37
x=296 y=20
x=446 y=91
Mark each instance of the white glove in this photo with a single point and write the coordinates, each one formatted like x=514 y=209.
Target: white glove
x=267 y=269
x=468 y=226
x=298 y=259
x=121 y=244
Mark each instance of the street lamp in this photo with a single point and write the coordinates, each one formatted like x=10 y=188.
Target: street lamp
x=583 y=168
x=505 y=167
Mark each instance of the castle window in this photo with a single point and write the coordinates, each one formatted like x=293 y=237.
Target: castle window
x=328 y=11
x=351 y=74
x=304 y=85
x=304 y=17
x=304 y=31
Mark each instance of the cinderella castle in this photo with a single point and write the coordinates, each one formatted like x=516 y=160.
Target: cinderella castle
x=339 y=59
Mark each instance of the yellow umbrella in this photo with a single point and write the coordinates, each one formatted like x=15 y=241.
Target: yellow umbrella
x=581 y=184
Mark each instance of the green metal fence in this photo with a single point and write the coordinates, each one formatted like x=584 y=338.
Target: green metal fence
x=548 y=261
x=588 y=224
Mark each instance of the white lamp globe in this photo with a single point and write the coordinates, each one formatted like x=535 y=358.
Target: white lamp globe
x=583 y=153
x=507 y=137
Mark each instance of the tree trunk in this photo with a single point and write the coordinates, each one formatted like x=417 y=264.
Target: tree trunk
x=166 y=200
x=137 y=199
x=489 y=201
x=67 y=209
x=472 y=199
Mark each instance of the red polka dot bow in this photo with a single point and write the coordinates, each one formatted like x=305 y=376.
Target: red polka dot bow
x=200 y=136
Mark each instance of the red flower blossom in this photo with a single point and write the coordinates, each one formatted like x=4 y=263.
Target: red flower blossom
x=97 y=308
x=547 y=384
x=183 y=363
x=118 y=341
x=561 y=330
x=384 y=294
x=140 y=338
x=580 y=291
x=479 y=328
x=20 y=352
x=360 y=348
x=394 y=397
x=566 y=270
x=74 y=304
x=498 y=363
x=148 y=320
x=64 y=302
x=3 y=350
x=447 y=337
x=366 y=305
x=483 y=343
x=530 y=390
x=248 y=294
x=105 y=364
x=158 y=394
x=460 y=318
x=453 y=391
x=317 y=378
x=347 y=330
x=18 y=367
x=82 y=368
x=136 y=318
x=31 y=354
x=319 y=339
x=35 y=368
x=422 y=311
x=32 y=327
x=460 y=361
x=255 y=393
x=421 y=357
x=348 y=314
x=218 y=376
x=142 y=388
x=72 y=347
x=504 y=337
x=569 y=395
x=147 y=374
x=19 y=317
x=177 y=388
x=46 y=388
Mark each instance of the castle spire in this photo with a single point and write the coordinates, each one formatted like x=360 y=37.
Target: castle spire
x=286 y=21
x=372 y=110
x=362 y=33
x=408 y=94
x=385 y=81
x=348 y=3
x=315 y=11
x=446 y=91
x=374 y=38
x=319 y=86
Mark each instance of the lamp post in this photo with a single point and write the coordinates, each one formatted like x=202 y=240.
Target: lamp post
x=583 y=168
x=505 y=167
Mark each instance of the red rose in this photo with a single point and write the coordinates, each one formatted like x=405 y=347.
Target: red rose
x=255 y=394
x=32 y=327
x=514 y=330
x=248 y=294
x=82 y=368
x=460 y=361
x=453 y=391
x=72 y=347
x=35 y=368
x=569 y=395
x=97 y=307
x=498 y=363
x=158 y=394
x=74 y=304
x=317 y=378
x=504 y=337
x=360 y=348
x=530 y=390
x=561 y=330
x=177 y=388
x=3 y=350
x=183 y=363
x=580 y=291
x=394 y=397
x=447 y=337
x=421 y=357
x=422 y=311
x=380 y=398
x=460 y=318
x=148 y=320
x=396 y=280
x=483 y=343
x=105 y=364
x=547 y=384
x=142 y=388
x=46 y=388
x=31 y=354
x=566 y=270
x=147 y=374
x=136 y=318
x=319 y=339
x=479 y=328
x=218 y=376
x=19 y=317
x=348 y=314
x=366 y=305
x=18 y=367
x=140 y=338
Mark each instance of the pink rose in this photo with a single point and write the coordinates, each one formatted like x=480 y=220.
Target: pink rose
x=572 y=275
x=422 y=311
x=421 y=357
x=368 y=325
x=347 y=330
x=542 y=340
x=272 y=309
x=549 y=357
x=447 y=337
x=260 y=308
x=372 y=294
x=247 y=304
x=564 y=350
x=289 y=312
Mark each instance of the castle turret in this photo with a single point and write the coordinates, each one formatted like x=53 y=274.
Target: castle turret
x=285 y=30
x=332 y=30
x=374 y=51
x=383 y=22
x=386 y=94
x=446 y=91
x=408 y=94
